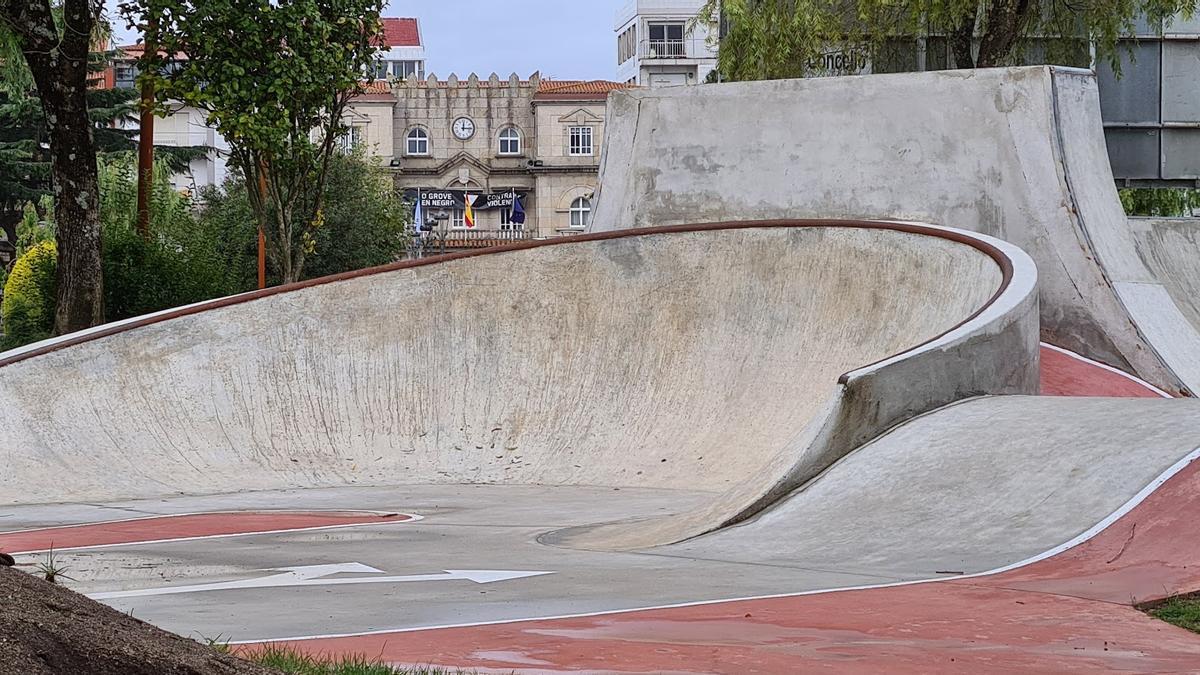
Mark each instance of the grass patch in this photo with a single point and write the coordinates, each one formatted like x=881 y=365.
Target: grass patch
x=294 y=662
x=1182 y=611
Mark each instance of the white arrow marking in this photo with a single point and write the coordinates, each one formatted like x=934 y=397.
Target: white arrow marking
x=313 y=575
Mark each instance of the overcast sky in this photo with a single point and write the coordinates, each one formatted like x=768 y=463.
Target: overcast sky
x=564 y=39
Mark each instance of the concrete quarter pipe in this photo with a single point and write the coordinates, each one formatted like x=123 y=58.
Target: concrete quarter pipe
x=1015 y=153
x=531 y=365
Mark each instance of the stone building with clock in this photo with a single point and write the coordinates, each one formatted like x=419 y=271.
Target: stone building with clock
x=491 y=141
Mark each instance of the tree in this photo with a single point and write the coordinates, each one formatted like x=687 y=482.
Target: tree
x=765 y=39
x=365 y=220
x=1164 y=202
x=56 y=49
x=275 y=79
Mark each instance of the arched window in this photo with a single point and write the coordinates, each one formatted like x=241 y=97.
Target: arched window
x=510 y=141
x=418 y=141
x=581 y=212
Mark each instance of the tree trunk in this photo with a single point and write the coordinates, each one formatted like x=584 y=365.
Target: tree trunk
x=60 y=69
x=1005 y=23
x=10 y=217
x=960 y=42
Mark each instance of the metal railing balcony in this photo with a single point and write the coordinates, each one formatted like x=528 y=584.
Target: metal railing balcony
x=666 y=49
x=444 y=239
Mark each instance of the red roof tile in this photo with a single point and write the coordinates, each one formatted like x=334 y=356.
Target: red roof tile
x=375 y=91
x=575 y=90
x=399 y=32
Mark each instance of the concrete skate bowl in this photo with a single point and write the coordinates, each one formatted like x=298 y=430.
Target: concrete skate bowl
x=705 y=358
x=1016 y=153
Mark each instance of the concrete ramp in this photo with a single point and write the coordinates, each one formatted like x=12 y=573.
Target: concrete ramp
x=738 y=359
x=975 y=486
x=1014 y=153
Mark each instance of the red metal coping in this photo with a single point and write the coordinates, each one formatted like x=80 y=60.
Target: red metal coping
x=1002 y=261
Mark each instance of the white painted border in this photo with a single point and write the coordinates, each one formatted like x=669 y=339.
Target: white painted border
x=409 y=518
x=1105 y=366
x=1087 y=535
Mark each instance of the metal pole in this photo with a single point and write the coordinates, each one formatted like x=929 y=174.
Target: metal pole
x=262 y=238
x=146 y=132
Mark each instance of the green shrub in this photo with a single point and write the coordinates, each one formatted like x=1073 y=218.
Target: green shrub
x=177 y=265
x=28 y=309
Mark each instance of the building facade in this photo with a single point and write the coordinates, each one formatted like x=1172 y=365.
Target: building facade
x=505 y=147
x=655 y=47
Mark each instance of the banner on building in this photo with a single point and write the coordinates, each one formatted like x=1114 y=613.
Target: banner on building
x=456 y=199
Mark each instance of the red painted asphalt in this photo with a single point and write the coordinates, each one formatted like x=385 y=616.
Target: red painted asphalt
x=1064 y=374
x=189 y=526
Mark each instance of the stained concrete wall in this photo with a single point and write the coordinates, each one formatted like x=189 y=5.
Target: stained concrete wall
x=536 y=368
x=1015 y=153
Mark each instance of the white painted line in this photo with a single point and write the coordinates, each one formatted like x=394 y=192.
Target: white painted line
x=1105 y=366
x=407 y=518
x=1085 y=536
x=315 y=575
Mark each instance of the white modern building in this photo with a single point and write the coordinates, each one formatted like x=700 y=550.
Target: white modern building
x=655 y=46
x=402 y=52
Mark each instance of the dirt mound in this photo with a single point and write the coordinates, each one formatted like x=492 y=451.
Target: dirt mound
x=51 y=630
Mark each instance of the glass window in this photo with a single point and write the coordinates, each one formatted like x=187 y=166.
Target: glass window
x=352 y=139
x=627 y=44
x=510 y=141
x=666 y=40
x=402 y=69
x=581 y=212
x=581 y=140
x=418 y=142
x=124 y=76
x=381 y=70
x=663 y=32
x=458 y=219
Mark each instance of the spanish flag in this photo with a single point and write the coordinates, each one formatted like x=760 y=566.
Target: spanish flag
x=469 y=213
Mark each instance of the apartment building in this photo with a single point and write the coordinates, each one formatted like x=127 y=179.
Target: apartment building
x=655 y=47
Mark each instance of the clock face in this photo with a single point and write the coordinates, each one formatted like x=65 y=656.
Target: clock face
x=464 y=128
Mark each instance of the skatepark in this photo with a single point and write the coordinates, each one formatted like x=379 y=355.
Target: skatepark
x=902 y=390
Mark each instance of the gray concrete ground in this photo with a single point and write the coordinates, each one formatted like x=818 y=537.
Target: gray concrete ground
x=971 y=487
x=472 y=527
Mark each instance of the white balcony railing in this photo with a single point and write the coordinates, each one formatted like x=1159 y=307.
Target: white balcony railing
x=665 y=49
x=687 y=48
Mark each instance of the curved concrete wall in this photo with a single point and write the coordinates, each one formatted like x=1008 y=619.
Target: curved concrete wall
x=1014 y=153
x=688 y=358
x=993 y=353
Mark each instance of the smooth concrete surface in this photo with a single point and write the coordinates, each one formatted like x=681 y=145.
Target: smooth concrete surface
x=959 y=490
x=1016 y=153
x=533 y=366
x=488 y=527
x=1170 y=250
